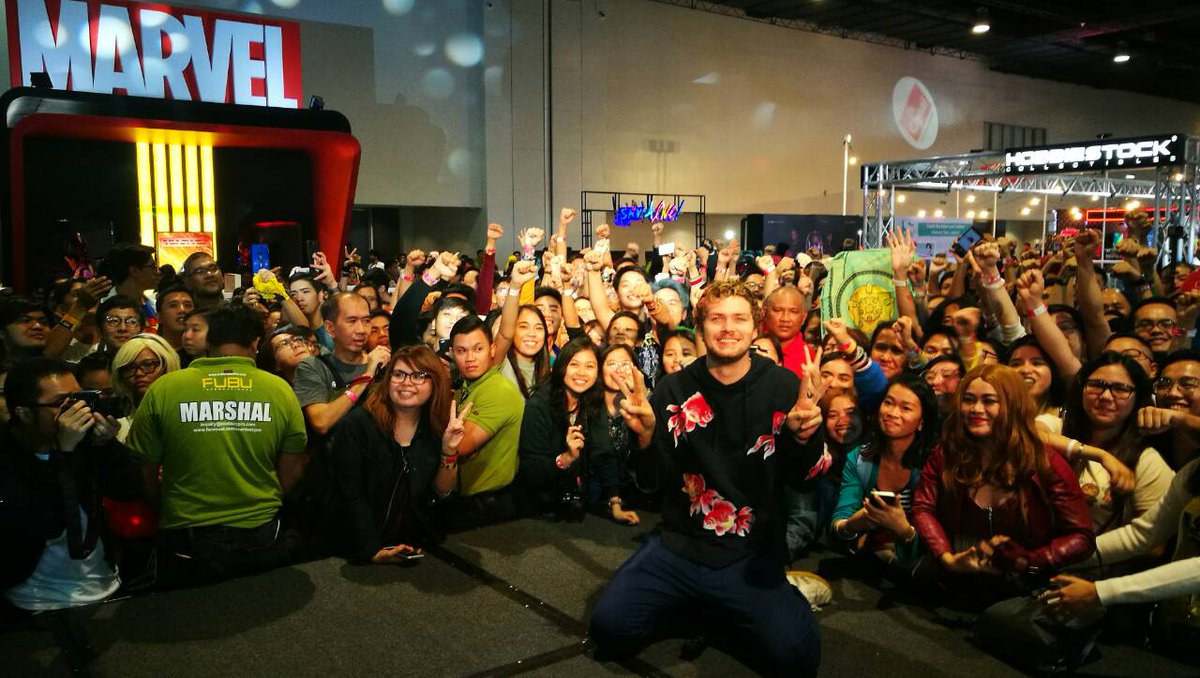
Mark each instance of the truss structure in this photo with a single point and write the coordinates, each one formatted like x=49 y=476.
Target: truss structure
x=1172 y=193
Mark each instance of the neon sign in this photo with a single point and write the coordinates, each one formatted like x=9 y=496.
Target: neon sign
x=1128 y=153
x=625 y=215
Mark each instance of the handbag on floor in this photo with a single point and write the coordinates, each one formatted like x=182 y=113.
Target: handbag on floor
x=1019 y=631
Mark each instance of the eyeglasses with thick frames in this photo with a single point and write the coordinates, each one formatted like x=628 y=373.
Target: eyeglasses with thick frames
x=1119 y=391
x=147 y=366
x=417 y=378
x=205 y=270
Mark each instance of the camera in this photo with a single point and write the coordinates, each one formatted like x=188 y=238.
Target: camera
x=104 y=405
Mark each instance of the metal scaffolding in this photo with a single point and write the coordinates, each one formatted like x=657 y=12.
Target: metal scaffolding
x=1172 y=193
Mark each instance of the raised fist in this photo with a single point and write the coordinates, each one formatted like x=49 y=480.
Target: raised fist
x=566 y=216
x=495 y=231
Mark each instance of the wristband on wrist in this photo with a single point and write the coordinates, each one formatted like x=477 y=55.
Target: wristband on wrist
x=1074 y=447
x=429 y=278
x=352 y=396
x=559 y=463
x=919 y=294
x=490 y=251
x=698 y=281
x=361 y=379
x=1040 y=309
x=846 y=346
x=899 y=282
x=406 y=277
x=615 y=501
x=514 y=291
x=769 y=269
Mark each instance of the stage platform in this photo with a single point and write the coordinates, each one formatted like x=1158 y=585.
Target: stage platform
x=501 y=600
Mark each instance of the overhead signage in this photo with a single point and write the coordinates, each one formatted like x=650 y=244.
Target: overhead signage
x=1166 y=149
x=154 y=50
x=626 y=214
x=915 y=113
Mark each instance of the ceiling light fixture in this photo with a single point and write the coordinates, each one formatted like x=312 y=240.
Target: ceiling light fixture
x=982 y=24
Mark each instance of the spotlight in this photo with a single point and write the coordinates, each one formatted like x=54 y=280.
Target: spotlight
x=1132 y=205
x=1025 y=211
x=316 y=103
x=1035 y=201
x=41 y=80
x=921 y=213
x=1178 y=176
x=1122 y=55
x=730 y=235
x=983 y=214
x=982 y=24
x=970 y=197
x=901 y=198
x=970 y=214
x=938 y=213
x=853 y=160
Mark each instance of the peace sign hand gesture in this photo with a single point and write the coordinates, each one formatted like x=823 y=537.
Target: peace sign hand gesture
x=805 y=417
x=455 y=428
x=635 y=409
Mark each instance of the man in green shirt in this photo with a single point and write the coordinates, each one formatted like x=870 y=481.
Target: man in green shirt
x=488 y=451
x=230 y=440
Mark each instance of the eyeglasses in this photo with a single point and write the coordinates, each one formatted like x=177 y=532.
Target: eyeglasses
x=1165 y=324
x=1136 y=354
x=1119 y=391
x=417 y=378
x=291 y=342
x=1187 y=385
x=147 y=366
x=205 y=270
x=888 y=348
x=115 y=321
x=626 y=364
x=761 y=350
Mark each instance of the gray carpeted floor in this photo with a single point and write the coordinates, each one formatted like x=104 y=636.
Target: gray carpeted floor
x=496 y=601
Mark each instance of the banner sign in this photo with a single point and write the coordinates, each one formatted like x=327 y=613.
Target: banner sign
x=154 y=50
x=859 y=289
x=174 y=248
x=1165 y=149
x=933 y=236
x=623 y=215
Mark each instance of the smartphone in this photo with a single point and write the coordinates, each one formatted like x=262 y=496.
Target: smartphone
x=260 y=257
x=966 y=241
x=666 y=249
x=311 y=247
x=885 y=497
x=410 y=554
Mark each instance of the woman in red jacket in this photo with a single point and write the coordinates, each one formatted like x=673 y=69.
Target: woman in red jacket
x=997 y=510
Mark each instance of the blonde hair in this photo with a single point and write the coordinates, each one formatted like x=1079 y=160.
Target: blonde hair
x=129 y=353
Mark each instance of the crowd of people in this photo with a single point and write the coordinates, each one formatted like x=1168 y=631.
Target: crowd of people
x=1022 y=438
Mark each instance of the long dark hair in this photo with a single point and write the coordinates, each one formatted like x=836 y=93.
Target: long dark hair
x=926 y=435
x=541 y=361
x=591 y=402
x=1128 y=444
x=1057 y=393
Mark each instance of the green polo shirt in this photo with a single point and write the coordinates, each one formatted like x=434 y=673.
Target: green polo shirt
x=216 y=427
x=497 y=408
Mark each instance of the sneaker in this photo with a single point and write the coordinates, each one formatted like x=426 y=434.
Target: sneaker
x=815 y=589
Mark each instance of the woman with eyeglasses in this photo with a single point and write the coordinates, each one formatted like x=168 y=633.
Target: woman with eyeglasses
x=874 y=508
x=998 y=511
x=1101 y=422
x=943 y=374
x=393 y=457
x=138 y=364
x=567 y=457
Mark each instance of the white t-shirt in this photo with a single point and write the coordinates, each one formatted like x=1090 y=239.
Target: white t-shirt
x=60 y=582
x=1153 y=479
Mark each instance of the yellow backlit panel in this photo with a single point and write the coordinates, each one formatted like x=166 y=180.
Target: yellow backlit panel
x=208 y=200
x=191 y=170
x=145 y=194
x=175 y=154
x=162 y=219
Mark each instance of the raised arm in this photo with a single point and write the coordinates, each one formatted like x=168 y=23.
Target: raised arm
x=595 y=261
x=903 y=250
x=987 y=257
x=1029 y=287
x=487 y=271
x=1087 y=292
x=522 y=273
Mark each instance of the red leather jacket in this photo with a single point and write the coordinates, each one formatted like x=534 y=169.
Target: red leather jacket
x=1057 y=531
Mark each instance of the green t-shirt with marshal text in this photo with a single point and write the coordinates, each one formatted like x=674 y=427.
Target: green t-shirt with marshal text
x=217 y=427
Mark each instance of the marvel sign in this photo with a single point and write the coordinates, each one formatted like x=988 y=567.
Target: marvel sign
x=153 y=50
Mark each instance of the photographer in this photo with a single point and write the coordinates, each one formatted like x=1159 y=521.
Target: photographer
x=59 y=461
